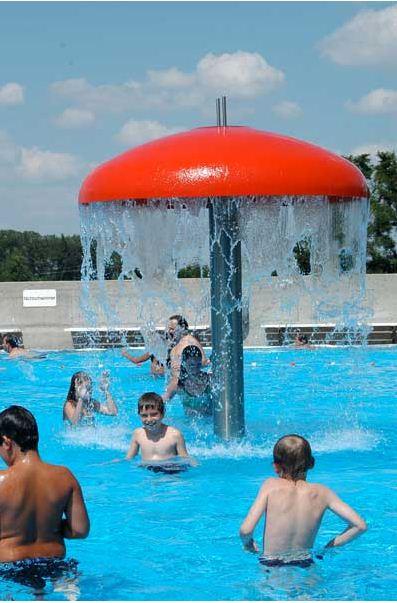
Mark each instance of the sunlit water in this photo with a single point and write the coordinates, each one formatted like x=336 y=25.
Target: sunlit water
x=167 y=537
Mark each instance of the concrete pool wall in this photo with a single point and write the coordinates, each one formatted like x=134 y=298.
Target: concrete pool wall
x=50 y=326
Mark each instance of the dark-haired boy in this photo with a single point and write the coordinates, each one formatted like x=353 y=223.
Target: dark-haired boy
x=294 y=509
x=155 y=440
x=40 y=504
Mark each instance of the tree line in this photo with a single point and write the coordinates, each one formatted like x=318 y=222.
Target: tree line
x=29 y=256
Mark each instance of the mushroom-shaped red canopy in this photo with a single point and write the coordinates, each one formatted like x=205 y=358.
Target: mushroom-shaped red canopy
x=223 y=162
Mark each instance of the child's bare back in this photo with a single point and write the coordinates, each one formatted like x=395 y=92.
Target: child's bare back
x=294 y=508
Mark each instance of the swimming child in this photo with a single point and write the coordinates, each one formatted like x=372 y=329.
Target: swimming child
x=193 y=383
x=294 y=509
x=79 y=406
x=156 y=441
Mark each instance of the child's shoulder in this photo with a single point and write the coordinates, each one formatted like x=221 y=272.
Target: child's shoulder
x=272 y=482
x=322 y=489
x=138 y=432
x=173 y=431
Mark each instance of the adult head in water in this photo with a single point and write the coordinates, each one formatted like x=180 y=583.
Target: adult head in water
x=178 y=327
x=12 y=346
x=191 y=362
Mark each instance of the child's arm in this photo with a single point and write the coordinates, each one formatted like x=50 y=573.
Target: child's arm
x=171 y=390
x=254 y=514
x=356 y=523
x=136 y=359
x=134 y=447
x=172 y=386
x=181 y=445
x=110 y=408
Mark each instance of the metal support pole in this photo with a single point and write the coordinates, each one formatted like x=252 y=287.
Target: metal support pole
x=218 y=112
x=224 y=113
x=226 y=318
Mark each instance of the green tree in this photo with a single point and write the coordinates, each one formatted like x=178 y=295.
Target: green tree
x=382 y=181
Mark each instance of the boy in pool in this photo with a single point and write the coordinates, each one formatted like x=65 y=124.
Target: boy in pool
x=294 y=509
x=156 y=441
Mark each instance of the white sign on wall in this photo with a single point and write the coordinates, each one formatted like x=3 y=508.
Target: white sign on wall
x=39 y=298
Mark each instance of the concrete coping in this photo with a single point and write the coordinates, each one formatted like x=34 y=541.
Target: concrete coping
x=95 y=329
x=10 y=330
x=323 y=324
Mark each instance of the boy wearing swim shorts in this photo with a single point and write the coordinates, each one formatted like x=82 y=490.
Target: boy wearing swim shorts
x=294 y=508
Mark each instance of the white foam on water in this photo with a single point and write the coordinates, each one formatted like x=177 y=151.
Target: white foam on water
x=106 y=437
x=236 y=450
x=357 y=439
x=339 y=440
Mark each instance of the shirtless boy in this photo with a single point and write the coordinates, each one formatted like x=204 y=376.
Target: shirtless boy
x=40 y=504
x=155 y=440
x=294 y=509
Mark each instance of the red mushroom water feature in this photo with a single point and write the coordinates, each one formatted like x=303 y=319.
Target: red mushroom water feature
x=227 y=169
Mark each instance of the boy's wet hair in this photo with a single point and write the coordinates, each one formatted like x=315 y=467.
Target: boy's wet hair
x=18 y=424
x=303 y=338
x=191 y=351
x=181 y=321
x=72 y=394
x=293 y=454
x=11 y=340
x=151 y=401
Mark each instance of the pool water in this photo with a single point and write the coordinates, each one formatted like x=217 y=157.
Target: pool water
x=170 y=537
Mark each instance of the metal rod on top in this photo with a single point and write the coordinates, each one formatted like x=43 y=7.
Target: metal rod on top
x=224 y=113
x=218 y=112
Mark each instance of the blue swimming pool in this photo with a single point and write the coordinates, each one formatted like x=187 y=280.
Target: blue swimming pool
x=170 y=537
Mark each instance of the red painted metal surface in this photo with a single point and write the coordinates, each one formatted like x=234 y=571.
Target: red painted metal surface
x=223 y=162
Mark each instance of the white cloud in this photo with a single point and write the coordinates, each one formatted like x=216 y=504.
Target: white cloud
x=75 y=118
x=170 y=78
x=239 y=75
x=106 y=97
x=136 y=132
x=372 y=148
x=38 y=165
x=50 y=205
x=376 y=102
x=369 y=38
x=11 y=94
x=287 y=110
x=34 y=164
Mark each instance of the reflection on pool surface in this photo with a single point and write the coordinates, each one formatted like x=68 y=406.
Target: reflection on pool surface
x=156 y=536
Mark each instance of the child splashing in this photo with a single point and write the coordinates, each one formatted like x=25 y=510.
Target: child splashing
x=294 y=509
x=80 y=407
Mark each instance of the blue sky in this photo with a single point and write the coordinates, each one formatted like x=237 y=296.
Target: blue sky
x=81 y=82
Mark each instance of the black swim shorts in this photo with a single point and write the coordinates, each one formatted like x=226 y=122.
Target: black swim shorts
x=34 y=573
x=306 y=562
